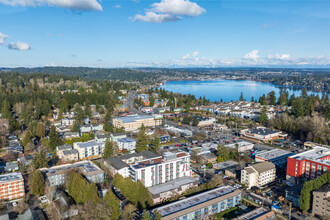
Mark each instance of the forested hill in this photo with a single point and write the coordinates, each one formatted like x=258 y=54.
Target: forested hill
x=92 y=73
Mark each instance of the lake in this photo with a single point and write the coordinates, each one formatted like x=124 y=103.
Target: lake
x=228 y=90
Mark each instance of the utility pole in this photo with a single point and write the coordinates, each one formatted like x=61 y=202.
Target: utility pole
x=290 y=211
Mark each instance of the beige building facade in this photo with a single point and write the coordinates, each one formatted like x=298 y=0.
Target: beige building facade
x=259 y=174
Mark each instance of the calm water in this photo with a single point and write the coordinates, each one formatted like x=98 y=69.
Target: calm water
x=228 y=90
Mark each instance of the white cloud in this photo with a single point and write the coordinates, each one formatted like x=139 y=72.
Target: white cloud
x=117 y=6
x=280 y=56
x=178 y=7
x=170 y=10
x=192 y=55
x=3 y=37
x=153 y=17
x=83 y=5
x=19 y=46
x=253 y=55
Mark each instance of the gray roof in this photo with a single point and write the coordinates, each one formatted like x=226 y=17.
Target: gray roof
x=324 y=188
x=249 y=170
x=30 y=214
x=131 y=119
x=208 y=156
x=263 y=167
x=145 y=154
x=126 y=140
x=262 y=131
x=71 y=151
x=118 y=134
x=171 y=185
x=116 y=163
x=64 y=147
x=88 y=144
x=274 y=154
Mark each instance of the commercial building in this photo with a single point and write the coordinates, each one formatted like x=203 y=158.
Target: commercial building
x=56 y=175
x=276 y=156
x=206 y=121
x=262 y=134
x=161 y=169
x=201 y=205
x=242 y=146
x=133 y=123
x=164 y=191
x=258 y=214
x=66 y=153
x=128 y=144
x=308 y=165
x=11 y=186
x=89 y=149
x=321 y=201
x=258 y=174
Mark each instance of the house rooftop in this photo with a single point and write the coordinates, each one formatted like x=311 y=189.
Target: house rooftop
x=116 y=163
x=195 y=200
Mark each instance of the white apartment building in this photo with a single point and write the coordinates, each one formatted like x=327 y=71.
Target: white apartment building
x=128 y=144
x=89 y=149
x=258 y=174
x=161 y=169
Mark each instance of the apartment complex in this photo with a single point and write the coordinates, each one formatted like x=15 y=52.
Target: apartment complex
x=56 y=175
x=308 y=165
x=11 y=186
x=258 y=214
x=321 y=201
x=262 y=134
x=276 y=156
x=133 y=123
x=202 y=205
x=66 y=153
x=128 y=144
x=161 y=169
x=89 y=149
x=258 y=174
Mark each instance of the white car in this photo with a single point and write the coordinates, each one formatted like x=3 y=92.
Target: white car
x=14 y=204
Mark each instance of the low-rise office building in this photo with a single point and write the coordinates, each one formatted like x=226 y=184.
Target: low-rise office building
x=276 y=156
x=56 y=175
x=164 y=191
x=202 y=205
x=128 y=144
x=11 y=186
x=321 y=201
x=89 y=149
x=133 y=123
x=258 y=174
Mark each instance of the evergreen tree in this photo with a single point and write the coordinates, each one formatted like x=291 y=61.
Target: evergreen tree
x=241 y=98
x=27 y=138
x=157 y=215
x=271 y=98
x=107 y=126
x=252 y=99
x=39 y=161
x=195 y=122
x=113 y=203
x=298 y=108
x=60 y=115
x=38 y=183
x=75 y=127
x=154 y=145
x=54 y=138
x=5 y=110
x=40 y=130
x=64 y=105
x=108 y=150
x=223 y=153
x=146 y=215
x=263 y=116
x=142 y=140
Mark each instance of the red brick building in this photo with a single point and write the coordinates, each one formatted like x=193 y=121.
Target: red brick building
x=308 y=165
x=11 y=186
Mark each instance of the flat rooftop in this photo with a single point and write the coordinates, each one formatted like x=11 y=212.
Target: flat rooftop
x=171 y=185
x=10 y=177
x=262 y=131
x=240 y=144
x=88 y=144
x=195 y=200
x=254 y=214
x=316 y=154
x=86 y=167
x=126 y=140
x=273 y=154
x=225 y=164
x=134 y=118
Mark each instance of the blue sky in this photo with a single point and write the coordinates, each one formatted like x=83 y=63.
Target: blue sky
x=164 y=33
